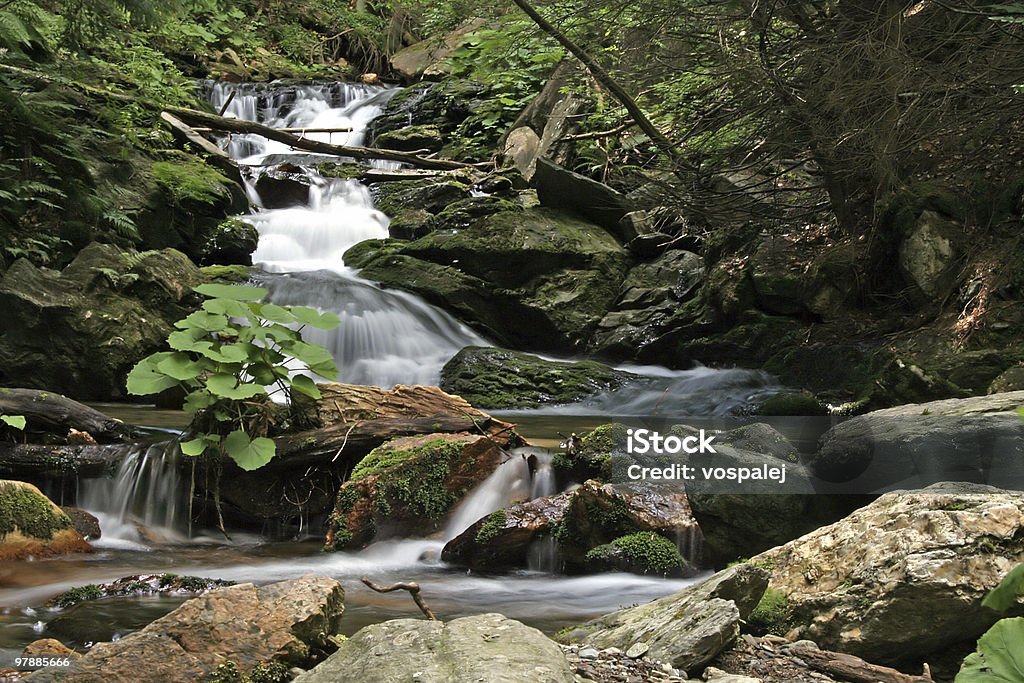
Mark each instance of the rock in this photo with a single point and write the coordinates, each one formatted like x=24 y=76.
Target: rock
x=288 y=621
x=106 y=311
x=902 y=580
x=444 y=105
x=792 y=403
x=486 y=647
x=1011 y=379
x=31 y=525
x=412 y=139
x=230 y=243
x=637 y=650
x=929 y=252
x=590 y=516
x=521 y=147
x=408 y=486
x=429 y=194
x=686 y=629
x=973 y=439
x=776 y=276
x=283 y=187
x=85 y=523
x=648 y=303
x=562 y=189
x=713 y=675
x=497 y=378
x=429 y=58
x=49 y=647
x=530 y=278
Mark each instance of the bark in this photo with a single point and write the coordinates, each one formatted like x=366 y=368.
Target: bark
x=47 y=412
x=33 y=461
x=855 y=669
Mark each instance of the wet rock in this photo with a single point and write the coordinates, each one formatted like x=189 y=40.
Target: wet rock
x=686 y=629
x=444 y=105
x=497 y=378
x=529 y=278
x=106 y=311
x=85 y=523
x=137 y=585
x=48 y=647
x=973 y=439
x=287 y=621
x=562 y=189
x=412 y=139
x=902 y=579
x=283 y=187
x=487 y=647
x=429 y=58
x=230 y=243
x=408 y=486
x=31 y=525
x=610 y=665
x=1011 y=379
x=430 y=194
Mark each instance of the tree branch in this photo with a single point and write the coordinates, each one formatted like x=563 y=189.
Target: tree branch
x=412 y=587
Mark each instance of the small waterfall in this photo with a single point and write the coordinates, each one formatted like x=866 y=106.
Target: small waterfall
x=385 y=337
x=543 y=483
x=144 y=500
x=509 y=483
x=543 y=556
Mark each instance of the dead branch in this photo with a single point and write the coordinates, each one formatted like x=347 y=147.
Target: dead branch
x=855 y=669
x=412 y=587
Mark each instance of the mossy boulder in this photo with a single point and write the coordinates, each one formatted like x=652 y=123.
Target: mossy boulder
x=589 y=456
x=31 y=525
x=79 y=332
x=431 y=195
x=498 y=378
x=443 y=105
x=412 y=139
x=790 y=403
x=408 y=486
x=529 y=278
x=232 y=242
x=640 y=553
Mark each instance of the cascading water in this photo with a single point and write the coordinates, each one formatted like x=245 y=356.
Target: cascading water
x=385 y=337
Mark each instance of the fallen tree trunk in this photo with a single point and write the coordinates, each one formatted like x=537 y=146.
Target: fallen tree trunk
x=855 y=669
x=34 y=461
x=50 y=413
x=200 y=118
x=215 y=155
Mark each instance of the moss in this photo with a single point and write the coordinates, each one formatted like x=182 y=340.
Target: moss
x=72 y=597
x=350 y=171
x=28 y=511
x=792 y=403
x=415 y=478
x=187 y=179
x=234 y=273
x=654 y=554
x=773 y=615
x=495 y=523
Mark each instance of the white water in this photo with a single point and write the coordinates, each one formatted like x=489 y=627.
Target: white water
x=385 y=337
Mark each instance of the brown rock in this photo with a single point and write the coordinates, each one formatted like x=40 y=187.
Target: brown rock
x=31 y=525
x=48 y=647
x=85 y=523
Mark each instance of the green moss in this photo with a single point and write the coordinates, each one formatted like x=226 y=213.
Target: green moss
x=798 y=404
x=74 y=596
x=187 y=179
x=29 y=512
x=236 y=273
x=773 y=614
x=492 y=527
x=415 y=478
x=654 y=554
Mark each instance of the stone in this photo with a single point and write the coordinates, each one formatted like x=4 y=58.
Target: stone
x=84 y=522
x=105 y=312
x=31 y=525
x=902 y=579
x=283 y=187
x=637 y=650
x=289 y=621
x=521 y=147
x=497 y=378
x=1011 y=379
x=713 y=675
x=444 y=105
x=979 y=438
x=408 y=486
x=486 y=647
x=929 y=252
x=687 y=629
x=230 y=243
x=412 y=139
x=48 y=647
x=562 y=189
x=429 y=58
x=428 y=194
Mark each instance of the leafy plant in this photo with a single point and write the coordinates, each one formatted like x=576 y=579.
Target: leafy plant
x=15 y=421
x=1000 y=654
x=230 y=358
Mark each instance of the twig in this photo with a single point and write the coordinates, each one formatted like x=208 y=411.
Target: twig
x=344 y=441
x=412 y=587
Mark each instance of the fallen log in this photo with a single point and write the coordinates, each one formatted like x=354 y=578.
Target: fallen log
x=287 y=130
x=50 y=413
x=35 y=461
x=204 y=119
x=215 y=155
x=854 y=669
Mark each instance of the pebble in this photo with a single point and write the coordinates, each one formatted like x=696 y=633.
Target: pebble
x=612 y=665
x=589 y=653
x=637 y=650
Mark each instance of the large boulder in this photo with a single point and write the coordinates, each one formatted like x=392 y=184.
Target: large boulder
x=79 y=332
x=31 y=525
x=902 y=580
x=929 y=253
x=978 y=439
x=408 y=486
x=289 y=621
x=589 y=517
x=688 y=629
x=498 y=378
x=429 y=58
x=529 y=277
x=486 y=647
x=565 y=190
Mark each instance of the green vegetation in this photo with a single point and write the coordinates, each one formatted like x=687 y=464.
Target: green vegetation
x=29 y=512
x=773 y=614
x=72 y=597
x=262 y=672
x=998 y=655
x=647 y=551
x=492 y=527
x=229 y=358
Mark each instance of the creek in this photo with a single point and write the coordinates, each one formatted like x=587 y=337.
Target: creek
x=385 y=338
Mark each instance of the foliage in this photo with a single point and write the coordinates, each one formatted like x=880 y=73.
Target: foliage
x=648 y=551
x=225 y=357
x=262 y=672
x=773 y=614
x=1000 y=654
x=190 y=180
x=73 y=596
x=492 y=527
x=13 y=421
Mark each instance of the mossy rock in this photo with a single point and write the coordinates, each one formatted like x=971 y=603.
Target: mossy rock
x=430 y=194
x=772 y=616
x=593 y=457
x=639 y=553
x=31 y=525
x=800 y=404
x=232 y=242
x=412 y=139
x=496 y=378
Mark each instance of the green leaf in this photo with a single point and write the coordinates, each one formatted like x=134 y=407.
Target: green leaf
x=145 y=378
x=180 y=366
x=15 y=421
x=228 y=353
x=199 y=400
x=1005 y=595
x=189 y=340
x=1000 y=655
x=305 y=385
x=249 y=454
x=228 y=386
x=235 y=292
x=203 y=320
x=229 y=307
x=195 y=447
x=314 y=318
x=273 y=313
x=317 y=358
x=262 y=373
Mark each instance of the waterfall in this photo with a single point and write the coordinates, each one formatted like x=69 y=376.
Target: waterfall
x=144 y=501
x=385 y=337
x=509 y=483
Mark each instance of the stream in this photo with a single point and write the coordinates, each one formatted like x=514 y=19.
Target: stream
x=385 y=338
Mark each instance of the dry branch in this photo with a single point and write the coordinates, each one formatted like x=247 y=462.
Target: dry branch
x=855 y=669
x=412 y=587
